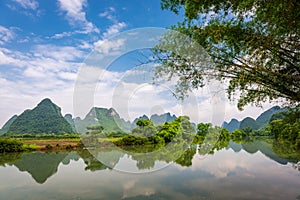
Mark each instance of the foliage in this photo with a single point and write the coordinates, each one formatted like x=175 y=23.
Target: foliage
x=49 y=147
x=30 y=147
x=253 y=44
x=95 y=130
x=131 y=140
x=285 y=130
x=7 y=158
x=203 y=129
x=237 y=135
x=8 y=145
x=145 y=128
x=146 y=133
x=144 y=122
x=180 y=128
x=186 y=158
x=117 y=134
x=288 y=127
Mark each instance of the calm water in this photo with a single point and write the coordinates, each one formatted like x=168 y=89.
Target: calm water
x=249 y=171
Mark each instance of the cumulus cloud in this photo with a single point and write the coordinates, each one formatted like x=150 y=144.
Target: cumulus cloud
x=67 y=53
x=114 y=29
x=75 y=14
x=106 y=46
x=51 y=71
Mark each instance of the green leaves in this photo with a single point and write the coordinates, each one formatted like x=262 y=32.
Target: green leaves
x=8 y=145
x=253 y=44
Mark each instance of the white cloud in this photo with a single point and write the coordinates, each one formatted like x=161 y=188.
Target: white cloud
x=36 y=73
x=74 y=9
x=106 y=46
x=114 y=29
x=75 y=14
x=28 y=4
x=6 y=35
x=66 y=53
x=4 y=59
x=63 y=34
x=51 y=71
x=13 y=58
x=46 y=71
x=231 y=111
x=85 y=45
x=68 y=76
x=109 y=14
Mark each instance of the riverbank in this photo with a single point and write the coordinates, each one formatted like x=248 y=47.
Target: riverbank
x=36 y=144
x=49 y=144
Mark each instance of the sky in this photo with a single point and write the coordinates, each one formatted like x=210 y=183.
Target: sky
x=47 y=48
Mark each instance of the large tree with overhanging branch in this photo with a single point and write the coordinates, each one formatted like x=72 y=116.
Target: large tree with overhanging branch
x=254 y=45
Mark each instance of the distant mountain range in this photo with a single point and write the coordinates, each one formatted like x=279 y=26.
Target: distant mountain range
x=46 y=117
x=112 y=122
x=260 y=122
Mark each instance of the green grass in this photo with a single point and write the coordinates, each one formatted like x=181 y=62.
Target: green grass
x=31 y=147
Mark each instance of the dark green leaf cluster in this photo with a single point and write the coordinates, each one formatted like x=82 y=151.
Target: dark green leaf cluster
x=146 y=133
x=287 y=128
x=8 y=145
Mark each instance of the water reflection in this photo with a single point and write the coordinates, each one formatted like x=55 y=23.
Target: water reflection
x=41 y=166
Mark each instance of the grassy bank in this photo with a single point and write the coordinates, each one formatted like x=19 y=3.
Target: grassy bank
x=8 y=144
x=51 y=144
x=20 y=145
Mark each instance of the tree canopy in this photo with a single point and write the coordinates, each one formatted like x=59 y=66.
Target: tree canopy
x=254 y=45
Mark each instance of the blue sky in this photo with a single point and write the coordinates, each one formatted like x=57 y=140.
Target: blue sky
x=44 y=43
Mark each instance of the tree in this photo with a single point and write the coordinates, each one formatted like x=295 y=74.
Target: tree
x=145 y=128
x=144 y=122
x=253 y=44
x=95 y=130
x=203 y=129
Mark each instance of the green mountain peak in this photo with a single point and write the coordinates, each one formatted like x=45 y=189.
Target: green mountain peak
x=46 y=117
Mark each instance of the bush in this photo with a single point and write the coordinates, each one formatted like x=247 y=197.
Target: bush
x=69 y=147
x=8 y=145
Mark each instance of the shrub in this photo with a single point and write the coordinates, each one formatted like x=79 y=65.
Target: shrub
x=69 y=147
x=8 y=145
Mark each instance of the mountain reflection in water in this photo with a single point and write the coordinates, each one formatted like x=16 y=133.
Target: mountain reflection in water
x=250 y=170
